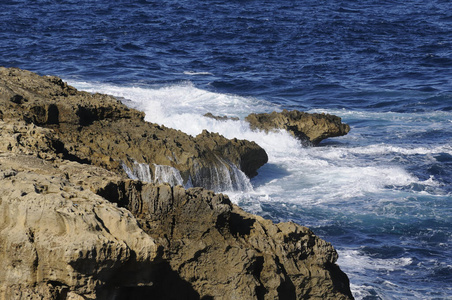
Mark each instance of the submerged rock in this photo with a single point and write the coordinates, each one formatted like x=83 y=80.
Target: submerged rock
x=220 y=118
x=307 y=127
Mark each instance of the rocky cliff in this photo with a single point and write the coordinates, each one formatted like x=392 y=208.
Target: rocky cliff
x=73 y=226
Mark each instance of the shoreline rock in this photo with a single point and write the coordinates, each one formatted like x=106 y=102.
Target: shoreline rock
x=82 y=230
x=220 y=118
x=253 y=258
x=312 y=128
x=73 y=226
x=58 y=237
x=100 y=130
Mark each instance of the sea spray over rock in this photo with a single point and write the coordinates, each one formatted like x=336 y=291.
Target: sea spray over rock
x=391 y=186
x=222 y=176
x=168 y=174
x=140 y=171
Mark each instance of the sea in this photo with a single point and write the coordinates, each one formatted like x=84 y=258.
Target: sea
x=382 y=195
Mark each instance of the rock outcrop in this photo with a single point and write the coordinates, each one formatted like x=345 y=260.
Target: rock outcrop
x=226 y=253
x=100 y=130
x=312 y=128
x=73 y=226
x=70 y=230
x=59 y=240
x=220 y=118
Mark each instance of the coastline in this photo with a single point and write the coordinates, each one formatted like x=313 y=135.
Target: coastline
x=63 y=155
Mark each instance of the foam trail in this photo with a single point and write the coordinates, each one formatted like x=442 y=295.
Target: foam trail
x=192 y=73
x=363 y=263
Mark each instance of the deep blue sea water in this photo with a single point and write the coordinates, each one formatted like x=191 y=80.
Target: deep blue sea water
x=382 y=195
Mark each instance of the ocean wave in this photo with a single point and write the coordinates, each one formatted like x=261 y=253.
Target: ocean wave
x=193 y=73
x=311 y=175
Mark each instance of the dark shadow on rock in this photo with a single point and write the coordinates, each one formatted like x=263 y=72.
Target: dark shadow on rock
x=164 y=283
x=340 y=279
x=61 y=149
x=116 y=193
x=238 y=225
x=86 y=116
x=287 y=289
x=53 y=115
x=18 y=99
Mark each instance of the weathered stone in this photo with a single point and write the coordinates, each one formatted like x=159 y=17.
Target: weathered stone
x=307 y=127
x=226 y=253
x=57 y=236
x=70 y=229
x=220 y=118
x=46 y=100
x=99 y=129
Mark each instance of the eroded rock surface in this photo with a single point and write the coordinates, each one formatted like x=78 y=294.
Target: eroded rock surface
x=72 y=226
x=226 y=253
x=58 y=237
x=100 y=130
x=307 y=127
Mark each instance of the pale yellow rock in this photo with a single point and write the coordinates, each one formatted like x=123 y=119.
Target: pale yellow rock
x=53 y=230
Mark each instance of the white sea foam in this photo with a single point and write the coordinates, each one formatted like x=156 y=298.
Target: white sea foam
x=350 y=259
x=367 y=276
x=221 y=176
x=424 y=117
x=140 y=171
x=294 y=173
x=192 y=73
x=361 y=291
x=382 y=149
x=167 y=174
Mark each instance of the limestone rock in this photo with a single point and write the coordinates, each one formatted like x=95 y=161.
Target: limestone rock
x=45 y=100
x=58 y=238
x=226 y=253
x=23 y=138
x=100 y=130
x=220 y=118
x=72 y=226
x=307 y=127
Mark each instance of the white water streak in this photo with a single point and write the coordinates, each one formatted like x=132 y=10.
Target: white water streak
x=140 y=171
x=167 y=174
